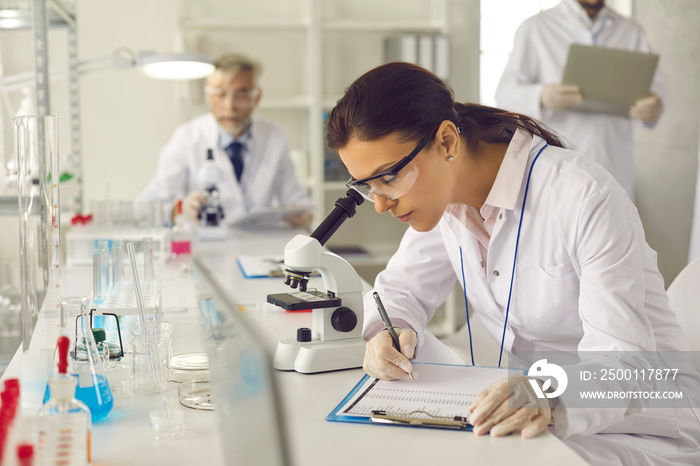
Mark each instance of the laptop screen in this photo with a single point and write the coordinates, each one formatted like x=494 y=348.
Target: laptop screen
x=611 y=80
x=247 y=404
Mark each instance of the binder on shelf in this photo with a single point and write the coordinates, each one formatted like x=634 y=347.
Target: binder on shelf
x=431 y=51
x=442 y=57
x=403 y=47
x=426 y=57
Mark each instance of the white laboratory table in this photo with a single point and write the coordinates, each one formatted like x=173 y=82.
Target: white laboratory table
x=306 y=398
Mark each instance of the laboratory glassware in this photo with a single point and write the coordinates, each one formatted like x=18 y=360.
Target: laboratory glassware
x=167 y=422
x=117 y=267
x=99 y=277
x=65 y=433
x=93 y=389
x=10 y=295
x=189 y=366
x=196 y=394
x=152 y=350
x=40 y=252
x=87 y=363
x=181 y=235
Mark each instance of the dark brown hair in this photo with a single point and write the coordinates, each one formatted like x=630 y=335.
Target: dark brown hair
x=410 y=101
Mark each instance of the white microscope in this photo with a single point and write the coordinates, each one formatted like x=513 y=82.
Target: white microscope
x=335 y=340
x=211 y=226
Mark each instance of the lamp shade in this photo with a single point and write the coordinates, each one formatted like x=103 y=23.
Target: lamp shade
x=175 y=65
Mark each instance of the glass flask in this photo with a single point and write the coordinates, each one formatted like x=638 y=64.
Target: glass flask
x=66 y=421
x=93 y=387
x=87 y=366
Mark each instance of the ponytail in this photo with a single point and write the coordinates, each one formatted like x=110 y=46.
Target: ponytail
x=409 y=101
x=494 y=125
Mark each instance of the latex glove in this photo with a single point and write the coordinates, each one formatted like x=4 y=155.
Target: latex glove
x=301 y=220
x=384 y=362
x=192 y=204
x=508 y=405
x=648 y=109
x=558 y=96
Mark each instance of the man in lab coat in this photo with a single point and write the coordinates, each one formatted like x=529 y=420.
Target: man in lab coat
x=531 y=81
x=252 y=155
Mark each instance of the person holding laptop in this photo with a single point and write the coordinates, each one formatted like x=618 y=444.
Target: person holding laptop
x=531 y=81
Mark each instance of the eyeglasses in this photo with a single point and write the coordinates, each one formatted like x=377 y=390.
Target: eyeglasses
x=239 y=96
x=393 y=182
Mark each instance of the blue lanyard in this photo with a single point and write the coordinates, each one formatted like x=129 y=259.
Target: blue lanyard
x=512 y=276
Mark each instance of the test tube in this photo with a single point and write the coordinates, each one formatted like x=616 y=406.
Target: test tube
x=104 y=244
x=99 y=280
x=117 y=267
x=148 y=274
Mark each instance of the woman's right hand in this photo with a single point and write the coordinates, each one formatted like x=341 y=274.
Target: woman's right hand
x=384 y=362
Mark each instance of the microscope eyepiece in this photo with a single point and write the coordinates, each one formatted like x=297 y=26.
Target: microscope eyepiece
x=344 y=209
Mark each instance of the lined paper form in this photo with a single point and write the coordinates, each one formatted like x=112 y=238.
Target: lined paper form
x=441 y=390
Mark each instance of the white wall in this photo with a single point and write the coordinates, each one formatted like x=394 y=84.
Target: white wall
x=666 y=157
x=126 y=118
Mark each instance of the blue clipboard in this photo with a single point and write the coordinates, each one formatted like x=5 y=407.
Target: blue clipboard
x=405 y=420
x=260 y=267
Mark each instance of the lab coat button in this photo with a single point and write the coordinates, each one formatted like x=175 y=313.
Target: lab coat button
x=482 y=264
x=496 y=273
x=500 y=216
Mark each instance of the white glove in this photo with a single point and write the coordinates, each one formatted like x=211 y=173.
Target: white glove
x=191 y=205
x=558 y=96
x=508 y=405
x=648 y=109
x=383 y=361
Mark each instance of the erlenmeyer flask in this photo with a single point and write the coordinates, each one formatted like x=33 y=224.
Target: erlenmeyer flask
x=93 y=387
x=86 y=364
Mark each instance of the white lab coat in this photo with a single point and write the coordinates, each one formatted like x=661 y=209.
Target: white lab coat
x=585 y=280
x=539 y=56
x=268 y=174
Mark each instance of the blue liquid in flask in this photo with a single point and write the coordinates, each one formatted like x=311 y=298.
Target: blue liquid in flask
x=95 y=393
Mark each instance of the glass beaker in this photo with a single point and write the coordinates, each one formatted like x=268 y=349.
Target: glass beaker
x=40 y=272
x=152 y=348
x=10 y=295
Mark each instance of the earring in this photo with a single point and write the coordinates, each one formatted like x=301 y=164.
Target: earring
x=450 y=159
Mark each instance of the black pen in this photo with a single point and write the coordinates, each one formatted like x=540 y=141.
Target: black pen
x=387 y=322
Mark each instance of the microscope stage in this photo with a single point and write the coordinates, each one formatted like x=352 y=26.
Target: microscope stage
x=304 y=300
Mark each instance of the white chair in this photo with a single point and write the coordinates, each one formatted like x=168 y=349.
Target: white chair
x=684 y=297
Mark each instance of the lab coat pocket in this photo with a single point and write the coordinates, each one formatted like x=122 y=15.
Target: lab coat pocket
x=547 y=301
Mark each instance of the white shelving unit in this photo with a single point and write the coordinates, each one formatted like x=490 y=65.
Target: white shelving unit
x=323 y=45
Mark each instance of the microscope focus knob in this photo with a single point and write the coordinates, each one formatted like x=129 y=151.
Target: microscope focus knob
x=303 y=334
x=344 y=319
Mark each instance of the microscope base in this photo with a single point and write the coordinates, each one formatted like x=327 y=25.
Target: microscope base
x=212 y=233
x=319 y=356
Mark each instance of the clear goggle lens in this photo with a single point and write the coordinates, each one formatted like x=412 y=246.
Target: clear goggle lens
x=389 y=187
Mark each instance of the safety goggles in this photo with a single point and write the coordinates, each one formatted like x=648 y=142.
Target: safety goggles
x=239 y=97
x=394 y=182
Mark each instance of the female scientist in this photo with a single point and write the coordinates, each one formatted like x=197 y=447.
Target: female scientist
x=547 y=245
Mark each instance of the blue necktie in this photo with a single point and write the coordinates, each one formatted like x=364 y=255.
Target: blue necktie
x=235 y=153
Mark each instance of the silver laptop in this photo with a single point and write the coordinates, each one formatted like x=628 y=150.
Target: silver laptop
x=245 y=395
x=611 y=80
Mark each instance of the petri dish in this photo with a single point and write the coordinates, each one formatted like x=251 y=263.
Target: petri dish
x=190 y=361
x=189 y=367
x=196 y=394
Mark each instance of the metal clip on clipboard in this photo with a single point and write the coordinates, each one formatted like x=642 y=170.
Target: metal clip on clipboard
x=443 y=422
